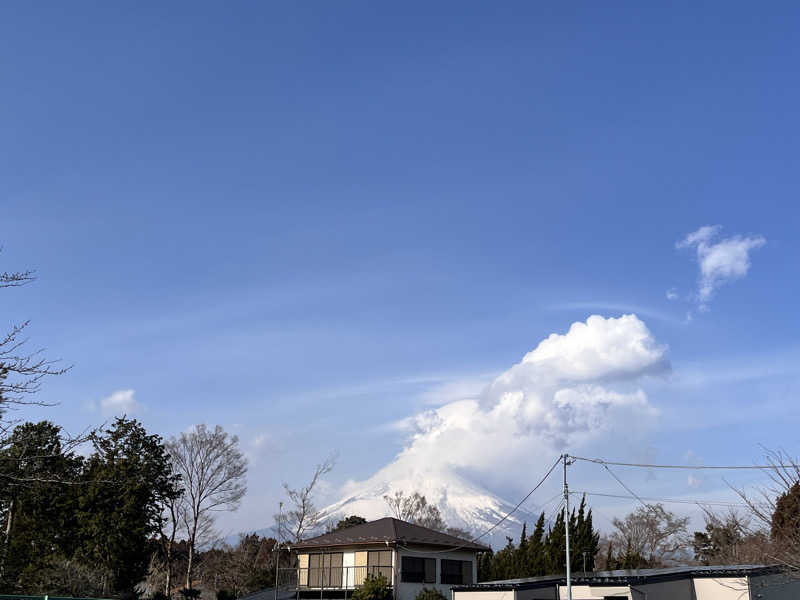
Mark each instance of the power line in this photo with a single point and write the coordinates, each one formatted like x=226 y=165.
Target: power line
x=511 y=512
x=667 y=500
x=629 y=490
x=601 y=461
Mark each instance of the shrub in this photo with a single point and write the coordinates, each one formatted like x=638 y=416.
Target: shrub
x=190 y=593
x=375 y=587
x=427 y=593
x=225 y=595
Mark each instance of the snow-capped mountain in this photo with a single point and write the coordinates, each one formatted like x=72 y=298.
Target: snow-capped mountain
x=463 y=504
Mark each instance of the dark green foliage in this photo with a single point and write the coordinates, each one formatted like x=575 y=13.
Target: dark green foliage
x=349 y=522
x=120 y=506
x=786 y=518
x=544 y=553
x=159 y=596
x=375 y=587
x=190 y=593
x=427 y=593
x=41 y=510
x=81 y=527
x=225 y=595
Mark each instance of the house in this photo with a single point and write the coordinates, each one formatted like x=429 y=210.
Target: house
x=733 y=582
x=409 y=556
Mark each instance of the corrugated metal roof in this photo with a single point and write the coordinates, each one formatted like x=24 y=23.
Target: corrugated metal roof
x=632 y=576
x=391 y=530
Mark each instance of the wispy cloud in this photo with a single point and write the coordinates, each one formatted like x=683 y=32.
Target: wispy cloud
x=720 y=260
x=121 y=402
x=619 y=308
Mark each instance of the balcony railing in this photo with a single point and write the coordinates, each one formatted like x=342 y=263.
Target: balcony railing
x=332 y=578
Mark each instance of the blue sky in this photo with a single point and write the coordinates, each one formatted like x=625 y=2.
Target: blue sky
x=306 y=222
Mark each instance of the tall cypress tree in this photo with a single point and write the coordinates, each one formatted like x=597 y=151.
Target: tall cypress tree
x=521 y=554
x=536 y=550
x=555 y=553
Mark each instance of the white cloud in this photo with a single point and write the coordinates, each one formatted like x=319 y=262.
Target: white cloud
x=121 y=402
x=571 y=389
x=672 y=294
x=720 y=262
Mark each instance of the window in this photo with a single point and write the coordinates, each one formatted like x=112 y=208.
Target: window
x=379 y=562
x=456 y=572
x=324 y=570
x=418 y=570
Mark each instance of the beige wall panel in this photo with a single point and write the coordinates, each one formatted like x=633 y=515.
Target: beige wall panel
x=488 y=595
x=585 y=592
x=721 y=588
x=302 y=563
x=360 y=571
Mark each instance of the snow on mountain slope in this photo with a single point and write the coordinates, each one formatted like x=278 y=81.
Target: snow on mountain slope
x=463 y=504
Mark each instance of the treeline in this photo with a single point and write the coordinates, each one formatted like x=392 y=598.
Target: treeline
x=81 y=525
x=544 y=551
x=124 y=513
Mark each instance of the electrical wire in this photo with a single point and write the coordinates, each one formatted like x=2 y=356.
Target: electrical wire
x=601 y=461
x=629 y=490
x=666 y=500
x=493 y=527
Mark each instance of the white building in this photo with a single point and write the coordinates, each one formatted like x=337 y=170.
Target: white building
x=333 y=565
x=737 y=582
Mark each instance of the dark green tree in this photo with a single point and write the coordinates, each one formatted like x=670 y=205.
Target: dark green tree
x=521 y=554
x=536 y=550
x=38 y=501
x=349 y=522
x=375 y=587
x=430 y=593
x=584 y=540
x=128 y=477
x=785 y=527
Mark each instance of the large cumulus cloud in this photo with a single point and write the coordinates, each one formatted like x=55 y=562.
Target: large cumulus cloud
x=571 y=388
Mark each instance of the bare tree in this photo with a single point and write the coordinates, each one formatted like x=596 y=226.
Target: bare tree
x=213 y=472
x=775 y=509
x=415 y=509
x=304 y=517
x=173 y=516
x=653 y=533
x=730 y=539
x=21 y=371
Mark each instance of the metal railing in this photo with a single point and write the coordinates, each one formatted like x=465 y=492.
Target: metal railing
x=332 y=578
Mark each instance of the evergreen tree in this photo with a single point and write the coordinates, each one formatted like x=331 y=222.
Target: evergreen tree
x=120 y=511
x=555 y=547
x=536 y=550
x=38 y=506
x=586 y=540
x=521 y=554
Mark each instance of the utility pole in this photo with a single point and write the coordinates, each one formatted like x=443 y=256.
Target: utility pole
x=566 y=525
x=278 y=548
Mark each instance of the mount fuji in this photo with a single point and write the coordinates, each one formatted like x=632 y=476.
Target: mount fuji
x=463 y=503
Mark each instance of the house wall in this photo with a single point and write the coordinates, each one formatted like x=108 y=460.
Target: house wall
x=353 y=569
x=721 y=588
x=409 y=591
x=775 y=587
x=545 y=593
x=678 y=589
x=487 y=595
x=595 y=592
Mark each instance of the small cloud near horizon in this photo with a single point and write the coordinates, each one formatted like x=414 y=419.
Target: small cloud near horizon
x=121 y=402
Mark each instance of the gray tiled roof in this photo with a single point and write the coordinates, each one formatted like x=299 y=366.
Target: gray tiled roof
x=393 y=531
